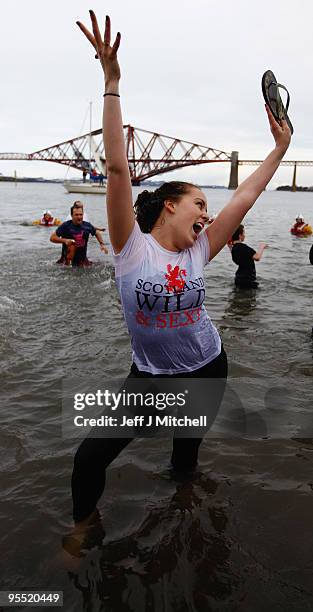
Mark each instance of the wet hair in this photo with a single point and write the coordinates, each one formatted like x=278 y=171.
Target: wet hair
x=149 y=204
x=238 y=232
x=76 y=204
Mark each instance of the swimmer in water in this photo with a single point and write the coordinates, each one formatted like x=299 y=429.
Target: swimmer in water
x=47 y=220
x=245 y=258
x=74 y=236
x=300 y=227
x=161 y=245
x=85 y=217
x=67 y=255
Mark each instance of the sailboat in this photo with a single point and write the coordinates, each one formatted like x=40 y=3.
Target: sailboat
x=80 y=187
x=91 y=186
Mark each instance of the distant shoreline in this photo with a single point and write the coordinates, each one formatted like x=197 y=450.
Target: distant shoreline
x=289 y=188
x=12 y=179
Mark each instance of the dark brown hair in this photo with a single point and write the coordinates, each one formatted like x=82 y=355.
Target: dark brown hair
x=77 y=204
x=149 y=204
x=238 y=232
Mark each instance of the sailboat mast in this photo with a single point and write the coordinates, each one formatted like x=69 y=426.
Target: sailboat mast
x=90 y=129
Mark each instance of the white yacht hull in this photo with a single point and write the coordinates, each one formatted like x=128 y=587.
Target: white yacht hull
x=85 y=188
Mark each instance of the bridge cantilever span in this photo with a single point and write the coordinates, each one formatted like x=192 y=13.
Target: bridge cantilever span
x=148 y=153
x=284 y=162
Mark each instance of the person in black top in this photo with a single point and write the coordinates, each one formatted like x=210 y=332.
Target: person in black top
x=75 y=233
x=244 y=256
x=311 y=255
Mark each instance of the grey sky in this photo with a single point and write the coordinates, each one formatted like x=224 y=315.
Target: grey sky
x=189 y=69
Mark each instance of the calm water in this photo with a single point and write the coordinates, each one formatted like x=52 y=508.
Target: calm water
x=236 y=537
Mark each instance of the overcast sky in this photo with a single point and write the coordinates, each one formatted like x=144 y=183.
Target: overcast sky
x=190 y=69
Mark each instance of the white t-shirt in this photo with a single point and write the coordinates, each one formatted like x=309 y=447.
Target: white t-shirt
x=162 y=294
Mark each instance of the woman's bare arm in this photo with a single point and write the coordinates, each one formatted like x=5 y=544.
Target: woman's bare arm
x=258 y=255
x=247 y=193
x=121 y=217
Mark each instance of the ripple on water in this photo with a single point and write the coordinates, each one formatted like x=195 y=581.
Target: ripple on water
x=216 y=541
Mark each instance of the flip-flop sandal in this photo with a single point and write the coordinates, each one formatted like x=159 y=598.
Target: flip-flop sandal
x=270 y=89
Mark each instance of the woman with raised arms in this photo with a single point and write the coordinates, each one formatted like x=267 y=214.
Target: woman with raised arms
x=160 y=247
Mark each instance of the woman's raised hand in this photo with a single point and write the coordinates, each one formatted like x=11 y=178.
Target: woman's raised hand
x=281 y=133
x=106 y=53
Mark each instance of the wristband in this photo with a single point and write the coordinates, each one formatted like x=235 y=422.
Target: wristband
x=111 y=94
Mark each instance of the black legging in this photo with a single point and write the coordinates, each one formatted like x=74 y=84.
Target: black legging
x=94 y=455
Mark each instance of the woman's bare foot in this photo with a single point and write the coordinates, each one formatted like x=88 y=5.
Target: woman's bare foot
x=75 y=542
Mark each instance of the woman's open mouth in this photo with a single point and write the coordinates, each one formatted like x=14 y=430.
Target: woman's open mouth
x=198 y=227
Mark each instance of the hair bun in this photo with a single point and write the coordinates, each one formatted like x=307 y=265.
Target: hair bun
x=147 y=208
x=144 y=198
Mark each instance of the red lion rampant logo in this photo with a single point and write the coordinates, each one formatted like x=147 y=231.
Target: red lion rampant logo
x=175 y=278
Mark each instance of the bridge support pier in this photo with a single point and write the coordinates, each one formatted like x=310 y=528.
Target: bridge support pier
x=294 y=178
x=233 y=179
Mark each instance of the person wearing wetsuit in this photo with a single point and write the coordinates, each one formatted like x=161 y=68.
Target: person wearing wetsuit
x=245 y=257
x=76 y=232
x=160 y=250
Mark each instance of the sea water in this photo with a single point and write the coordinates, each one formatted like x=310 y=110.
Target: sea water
x=235 y=536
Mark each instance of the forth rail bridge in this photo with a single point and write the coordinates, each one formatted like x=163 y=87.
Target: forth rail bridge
x=149 y=154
